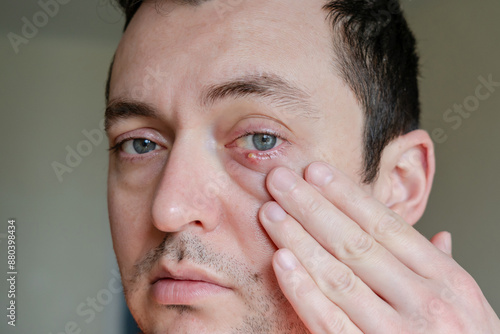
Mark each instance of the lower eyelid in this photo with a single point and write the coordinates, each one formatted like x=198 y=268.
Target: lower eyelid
x=259 y=156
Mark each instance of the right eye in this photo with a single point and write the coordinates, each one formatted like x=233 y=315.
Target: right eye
x=139 y=146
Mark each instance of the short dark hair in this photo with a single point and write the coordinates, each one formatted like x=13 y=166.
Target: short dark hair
x=375 y=55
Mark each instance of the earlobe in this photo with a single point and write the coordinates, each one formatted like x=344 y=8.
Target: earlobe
x=406 y=174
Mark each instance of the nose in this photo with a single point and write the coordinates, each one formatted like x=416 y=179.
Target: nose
x=189 y=192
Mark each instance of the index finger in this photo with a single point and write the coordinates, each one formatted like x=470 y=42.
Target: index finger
x=383 y=224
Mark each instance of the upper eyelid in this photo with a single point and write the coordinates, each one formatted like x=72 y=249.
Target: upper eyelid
x=262 y=125
x=146 y=133
x=265 y=132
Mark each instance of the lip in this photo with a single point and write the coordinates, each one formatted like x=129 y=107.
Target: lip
x=185 y=285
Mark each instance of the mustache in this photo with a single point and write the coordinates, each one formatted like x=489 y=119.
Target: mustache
x=186 y=246
x=172 y=247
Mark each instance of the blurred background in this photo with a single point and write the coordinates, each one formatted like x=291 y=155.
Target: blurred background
x=52 y=80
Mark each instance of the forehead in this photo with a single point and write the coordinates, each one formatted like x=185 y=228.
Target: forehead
x=219 y=39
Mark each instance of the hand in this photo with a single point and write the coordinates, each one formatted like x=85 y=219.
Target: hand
x=348 y=264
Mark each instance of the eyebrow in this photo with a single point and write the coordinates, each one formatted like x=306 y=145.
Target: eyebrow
x=123 y=109
x=269 y=87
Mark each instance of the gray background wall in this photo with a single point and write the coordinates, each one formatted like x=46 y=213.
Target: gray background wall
x=52 y=90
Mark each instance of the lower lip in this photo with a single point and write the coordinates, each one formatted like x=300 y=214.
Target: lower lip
x=180 y=292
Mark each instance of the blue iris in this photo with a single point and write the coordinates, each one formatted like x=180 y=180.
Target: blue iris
x=143 y=146
x=264 y=142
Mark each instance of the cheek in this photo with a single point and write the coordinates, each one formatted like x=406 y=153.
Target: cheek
x=250 y=176
x=242 y=198
x=249 y=182
x=247 y=193
x=129 y=216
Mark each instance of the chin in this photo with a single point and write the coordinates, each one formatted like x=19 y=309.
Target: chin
x=259 y=314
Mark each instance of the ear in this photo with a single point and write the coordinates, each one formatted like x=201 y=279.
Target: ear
x=406 y=173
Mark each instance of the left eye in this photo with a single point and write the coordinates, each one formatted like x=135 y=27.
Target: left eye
x=259 y=141
x=139 y=146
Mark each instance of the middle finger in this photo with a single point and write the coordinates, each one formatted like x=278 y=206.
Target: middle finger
x=344 y=238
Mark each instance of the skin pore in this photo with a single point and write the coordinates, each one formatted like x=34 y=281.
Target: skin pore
x=202 y=90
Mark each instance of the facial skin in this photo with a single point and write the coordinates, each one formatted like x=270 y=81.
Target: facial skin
x=191 y=204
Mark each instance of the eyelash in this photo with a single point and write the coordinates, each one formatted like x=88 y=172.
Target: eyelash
x=264 y=155
x=261 y=155
x=265 y=132
x=119 y=145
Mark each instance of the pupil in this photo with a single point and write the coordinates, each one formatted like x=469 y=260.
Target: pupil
x=264 y=142
x=143 y=146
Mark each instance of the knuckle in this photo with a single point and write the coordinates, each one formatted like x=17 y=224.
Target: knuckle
x=359 y=245
x=466 y=288
x=460 y=280
x=447 y=295
x=347 y=196
x=316 y=257
x=297 y=195
x=437 y=312
x=294 y=238
x=466 y=282
x=395 y=325
x=436 y=307
x=416 y=323
x=304 y=288
x=314 y=206
x=343 y=281
x=334 y=322
x=388 y=224
x=322 y=212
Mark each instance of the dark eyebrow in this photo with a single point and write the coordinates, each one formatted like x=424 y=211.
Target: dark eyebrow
x=269 y=87
x=122 y=109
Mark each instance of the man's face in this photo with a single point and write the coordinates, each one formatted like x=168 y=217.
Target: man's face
x=214 y=98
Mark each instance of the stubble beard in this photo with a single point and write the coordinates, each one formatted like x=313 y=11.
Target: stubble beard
x=267 y=309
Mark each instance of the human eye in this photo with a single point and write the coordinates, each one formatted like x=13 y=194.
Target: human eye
x=260 y=141
x=137 y=144
x=259 y=144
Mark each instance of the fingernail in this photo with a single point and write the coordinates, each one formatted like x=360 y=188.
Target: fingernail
x=284 y=180
x=286 y=260
x=274 y=212
x=320 y=174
